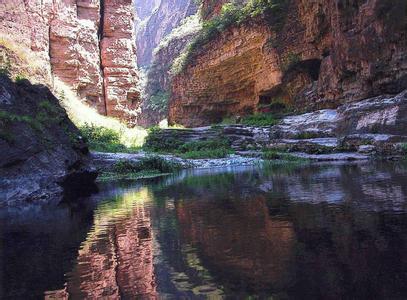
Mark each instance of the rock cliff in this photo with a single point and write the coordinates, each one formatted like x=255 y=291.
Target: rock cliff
x=38 y=140
x=159 y=76
x=322 y=55
x=87 y=44
x=167 y=16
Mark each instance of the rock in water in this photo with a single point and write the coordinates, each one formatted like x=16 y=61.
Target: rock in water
x=43 y=157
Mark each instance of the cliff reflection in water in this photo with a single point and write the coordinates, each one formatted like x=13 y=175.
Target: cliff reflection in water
x=116 y=260
x=314 y=232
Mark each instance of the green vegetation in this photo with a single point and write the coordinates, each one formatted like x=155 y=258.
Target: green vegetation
x=19 y=78
x=271 y=154
x=151 y=166
x=404 y=149
x=260 y=119
x=159 y=101
x=104 y=139
x=46 y=115
x=307 y=135
x=273 y=11
x=215 y=148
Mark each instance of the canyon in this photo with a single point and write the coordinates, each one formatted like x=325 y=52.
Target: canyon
x=322 y=56
x=89 y=45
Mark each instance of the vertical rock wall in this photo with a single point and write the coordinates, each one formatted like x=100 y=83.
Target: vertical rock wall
x=167 y=16
x=88 y=44
x=326 y=53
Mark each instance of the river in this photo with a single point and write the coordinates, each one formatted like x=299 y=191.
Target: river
x=326 y=231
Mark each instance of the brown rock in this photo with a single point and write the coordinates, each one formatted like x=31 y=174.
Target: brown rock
x=325 y=55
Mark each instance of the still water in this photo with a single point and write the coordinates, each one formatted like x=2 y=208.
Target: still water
x=310 y=232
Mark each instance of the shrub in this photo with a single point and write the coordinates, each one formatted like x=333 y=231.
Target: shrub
x=19 y=78
x=212 y=153
x=404 y=149
x=156 y=143
x=260 y=119
x=102 y=139
x=275 y=155
x=150 y=163
x=214 y=148
x=307 y=135
x=159 y=101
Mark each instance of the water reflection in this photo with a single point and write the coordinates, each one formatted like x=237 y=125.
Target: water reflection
x=313 y=232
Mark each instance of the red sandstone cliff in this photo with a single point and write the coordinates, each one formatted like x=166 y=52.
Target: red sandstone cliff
x=324 y=55
x=88 y=44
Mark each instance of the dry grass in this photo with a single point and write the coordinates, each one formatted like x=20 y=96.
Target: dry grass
x=81 y=114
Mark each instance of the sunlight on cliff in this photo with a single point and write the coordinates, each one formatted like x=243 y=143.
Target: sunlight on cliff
x=82 y=114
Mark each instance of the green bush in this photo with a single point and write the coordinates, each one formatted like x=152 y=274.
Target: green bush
x=404 y=149
x=307 y=135
x=213 y=153
x=151 y=163
x=275 y=155
x=260 y=119
x=156 y=143
x=214 y=148
x=102 y=139
x=19 y=79
x=159 y=101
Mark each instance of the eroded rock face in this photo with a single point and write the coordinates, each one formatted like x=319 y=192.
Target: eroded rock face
x=38 y=140
x=118 y=56
x=87 y=44
x=325 y=55
x=226 y=78
x=167 y=16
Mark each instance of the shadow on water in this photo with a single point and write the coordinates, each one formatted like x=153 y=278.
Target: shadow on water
x=304 y=232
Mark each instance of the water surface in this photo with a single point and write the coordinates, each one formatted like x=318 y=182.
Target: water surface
x=305 y=232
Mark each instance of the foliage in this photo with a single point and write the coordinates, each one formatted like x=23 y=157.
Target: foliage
x=159 y=101
x=104 y=139
x=151 y=166
x=307 y=135
x=150 y=163
x=156 y=143
x=19 y=78
x=404 y=149
x=214 y=148
x=260 y=119
x=47 y=115
x=271 y=154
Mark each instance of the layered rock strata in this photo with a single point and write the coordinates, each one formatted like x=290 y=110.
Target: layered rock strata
x=372 y=126
x=324 y=55
x=87 y=44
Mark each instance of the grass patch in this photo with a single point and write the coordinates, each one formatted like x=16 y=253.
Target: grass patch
x=156 y=141
x=103 y=139
x=260 y=119
x=307 y=135
x=147 y=167
x=47 y=115
x=275 y=155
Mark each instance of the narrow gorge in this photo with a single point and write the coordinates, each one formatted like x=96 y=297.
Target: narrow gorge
x=203 y=149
